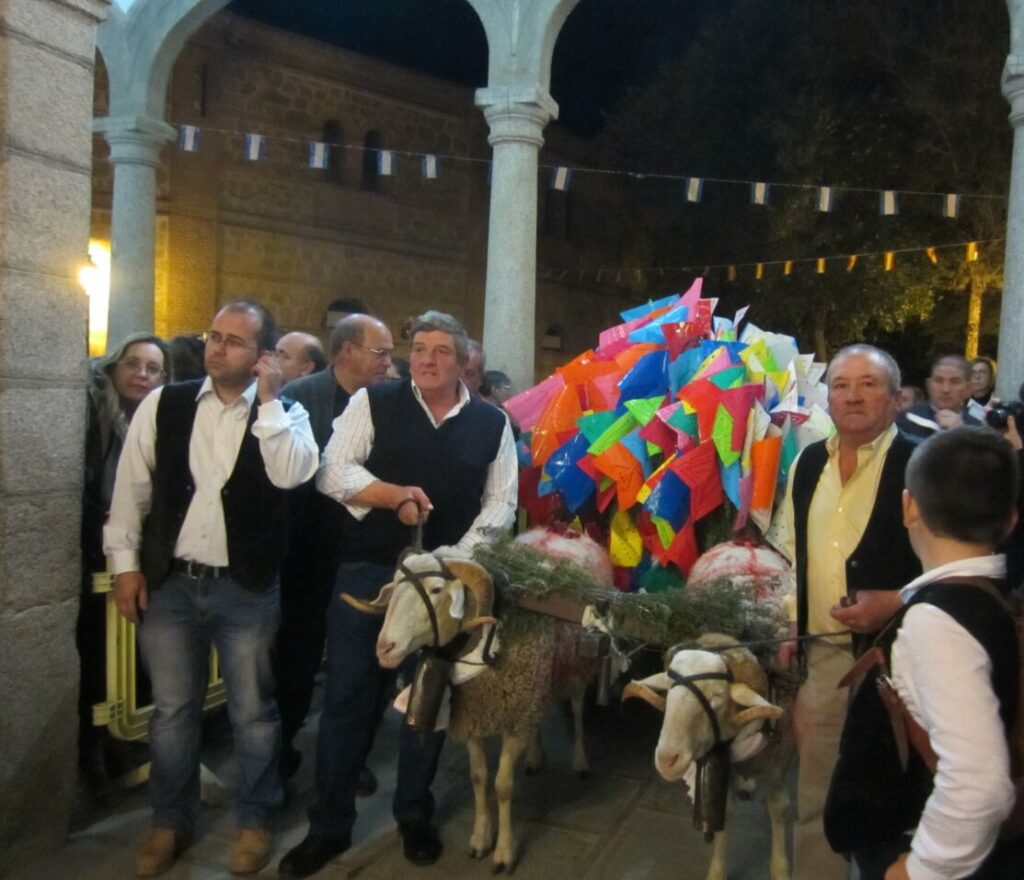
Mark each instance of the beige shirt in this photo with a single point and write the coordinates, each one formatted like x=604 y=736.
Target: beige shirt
x=836 y=521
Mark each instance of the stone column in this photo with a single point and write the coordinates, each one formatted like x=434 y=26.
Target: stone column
x=135 y=144
x=517 y=117
x=46 y=89
x=1011 y=317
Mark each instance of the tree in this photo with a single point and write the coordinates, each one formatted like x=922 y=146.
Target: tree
x=880 y=93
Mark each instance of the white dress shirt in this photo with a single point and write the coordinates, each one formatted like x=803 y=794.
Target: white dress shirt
x=286 y=444
x=944 y=676
x=342 y=474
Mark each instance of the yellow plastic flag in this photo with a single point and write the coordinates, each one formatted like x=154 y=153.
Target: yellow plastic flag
x=787 y=267
x=625 y=546
x=851 y=261
x=820 y=266
x=731 y=273
x=890 y=259
x=972 y=251
x=759 y=271
x=933 y=254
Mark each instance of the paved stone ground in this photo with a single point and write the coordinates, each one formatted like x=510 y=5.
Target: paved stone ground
x=623 y=821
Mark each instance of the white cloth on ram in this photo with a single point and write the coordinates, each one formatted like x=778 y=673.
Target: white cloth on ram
x=592 y=619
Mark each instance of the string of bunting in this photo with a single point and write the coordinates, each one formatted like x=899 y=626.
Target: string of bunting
x=849 y=262
x=692 y=188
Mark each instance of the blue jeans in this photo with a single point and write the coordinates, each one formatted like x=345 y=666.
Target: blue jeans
x=355 y=685
x=184 y=617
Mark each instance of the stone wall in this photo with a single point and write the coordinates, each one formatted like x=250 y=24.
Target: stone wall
x=46 y=82
x=298 y=237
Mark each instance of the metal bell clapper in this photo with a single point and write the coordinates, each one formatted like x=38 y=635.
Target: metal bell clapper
x=433 y=674
x=711 y=792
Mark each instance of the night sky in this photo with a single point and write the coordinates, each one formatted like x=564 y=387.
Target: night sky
x=605 y=46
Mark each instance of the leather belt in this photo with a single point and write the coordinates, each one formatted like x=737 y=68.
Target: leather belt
x=196 y=570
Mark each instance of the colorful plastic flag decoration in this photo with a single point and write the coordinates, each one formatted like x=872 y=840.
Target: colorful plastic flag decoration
x=430 y=166
x=826 y=199
x=759 y=193
x=851 y=262
x=254 y=146
x=386 y=163
x=932 y=255
x=318 y=154
x=560 y=177
x=888 y=206
x=787 y=267
x=972 y=251
x=951 y=206
x=820 y=266
x=889 y=260
x=694 y=189
x=188 y=138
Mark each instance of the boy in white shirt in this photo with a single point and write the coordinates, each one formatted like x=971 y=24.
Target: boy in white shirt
x=953 y=655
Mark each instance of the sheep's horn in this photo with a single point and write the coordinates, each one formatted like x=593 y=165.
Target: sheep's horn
x=753 y=714
x=377 y=606
x=642 y=692
x=475 y=578
x=475 y=622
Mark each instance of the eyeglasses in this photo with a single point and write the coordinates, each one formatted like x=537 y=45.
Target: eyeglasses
x=232 y=342
x=380 y=353
x=134 y=365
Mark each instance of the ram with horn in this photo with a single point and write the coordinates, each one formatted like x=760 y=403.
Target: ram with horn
x=714 y=699
x=502 y=678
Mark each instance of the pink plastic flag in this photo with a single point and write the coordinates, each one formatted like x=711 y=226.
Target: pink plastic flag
x=527 y=407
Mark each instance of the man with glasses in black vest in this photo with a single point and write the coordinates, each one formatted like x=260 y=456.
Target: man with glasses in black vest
x=850 y=555
x=426 y=440
x=197 y=531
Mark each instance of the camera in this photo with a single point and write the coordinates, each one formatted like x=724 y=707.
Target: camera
x=997 y=417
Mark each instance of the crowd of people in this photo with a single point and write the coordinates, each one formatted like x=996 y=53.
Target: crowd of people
x=239 y=482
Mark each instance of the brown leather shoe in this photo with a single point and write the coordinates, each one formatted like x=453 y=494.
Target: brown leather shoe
x=250 y=851
x=159 y=851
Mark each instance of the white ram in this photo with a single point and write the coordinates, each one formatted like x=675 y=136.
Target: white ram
x=507 y=698
x=734 y=685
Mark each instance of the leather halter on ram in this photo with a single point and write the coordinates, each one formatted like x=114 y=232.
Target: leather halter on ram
x=472 y=577
x=741 y=692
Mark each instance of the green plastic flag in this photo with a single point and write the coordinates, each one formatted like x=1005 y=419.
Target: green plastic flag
x=613 y=433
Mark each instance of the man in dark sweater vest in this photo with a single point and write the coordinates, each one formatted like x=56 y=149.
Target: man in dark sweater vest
x=361 y=349
x=850 y=555
x=425 y=439
x=951 y=658
x=197 y=530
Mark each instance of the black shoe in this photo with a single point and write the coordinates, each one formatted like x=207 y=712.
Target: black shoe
x=420 y=842
x=312 y=854
x=367 y=783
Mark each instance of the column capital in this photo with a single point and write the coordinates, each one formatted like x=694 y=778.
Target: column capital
x=135 y=139
x=516 y=113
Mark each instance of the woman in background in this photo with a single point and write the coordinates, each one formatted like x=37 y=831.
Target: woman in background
x=117 y=384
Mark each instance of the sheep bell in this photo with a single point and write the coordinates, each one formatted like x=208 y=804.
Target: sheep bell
x=711 y=791
x=433 y=674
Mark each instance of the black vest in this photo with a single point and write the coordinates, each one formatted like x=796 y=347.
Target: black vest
x=450 y=463
x=884 y=559
x=872 y=799
x=255 y=511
